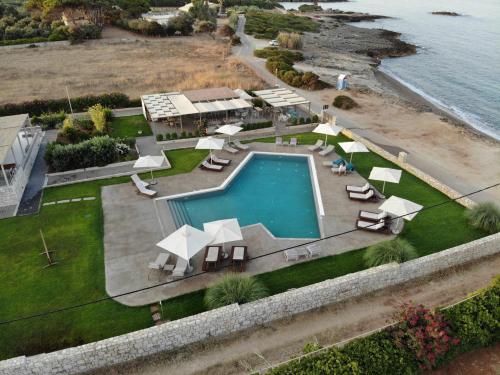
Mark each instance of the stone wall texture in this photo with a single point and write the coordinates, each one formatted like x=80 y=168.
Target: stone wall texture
x=234 y=318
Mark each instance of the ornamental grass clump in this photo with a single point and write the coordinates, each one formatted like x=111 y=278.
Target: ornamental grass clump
x=485 y=216
x=234 y=288
x=397 y=250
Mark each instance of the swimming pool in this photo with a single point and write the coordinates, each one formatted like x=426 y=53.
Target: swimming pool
x=272 y=189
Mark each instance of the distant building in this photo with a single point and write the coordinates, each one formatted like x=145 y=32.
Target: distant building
x=19 y=144
x=342 y=82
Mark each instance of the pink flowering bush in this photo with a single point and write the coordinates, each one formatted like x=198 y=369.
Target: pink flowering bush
x=425 y=333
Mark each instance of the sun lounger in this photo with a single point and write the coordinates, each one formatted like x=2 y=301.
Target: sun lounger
x=368 y=196
x=381 y=226
x=141 y=188
x=229 y=149
x=159 y=264
x=372 y=216
x=340 y=169
x=327 y=150
x=213 y=254
x=278 y=141
x=137 y=180
x=316 y=146
x=358 y=189
x=181 y=267
x=293 y=142
x=291 y=255
x=211 y=167
x=238 y=258
x=350 y=167
x=314 y=250
x=240 y=145
x=223 y=162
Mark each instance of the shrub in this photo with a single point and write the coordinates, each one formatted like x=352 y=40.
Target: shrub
x=159 y=137
x=485 y=216
x=289 y=40
x=167 y=136
x=267 y=25
x=344 y=102
x=301 y=120
x=226 y=30
x=397 y=250
x=330 y=361
x=426 y=334
x=174 y=135
x=257 y=125
x=183 y=24
x=379 y=354
x=190 y=135
x=204 y=27
x=234 y=288
x=476 y=320
x=294 y=121
x=315 y=118
x=311 y=347
x=235 y=40
x=98 y=114
x=84 y=32
x=257 y=102
x=49 y=120
x=308 y=120
x=304 y=8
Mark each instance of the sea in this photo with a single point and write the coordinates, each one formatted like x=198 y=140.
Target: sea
x=457 y=66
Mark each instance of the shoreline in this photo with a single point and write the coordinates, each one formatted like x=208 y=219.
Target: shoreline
x=414 y=97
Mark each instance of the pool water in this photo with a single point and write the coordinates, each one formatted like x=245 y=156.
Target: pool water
x=274 y=190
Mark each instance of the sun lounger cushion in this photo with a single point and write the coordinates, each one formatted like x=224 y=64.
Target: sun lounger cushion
x=316 y=146
x=339 y=162
x=370 y=225
x=240 y=145
x=278 y=141
x=137 y=180
x=326 y=150
x=142 y=189
x=211 y=167
x=358 y=189
x=230 y=149
x=293 y=142
x=360 y=196
x=372 y=215
x=216 y=160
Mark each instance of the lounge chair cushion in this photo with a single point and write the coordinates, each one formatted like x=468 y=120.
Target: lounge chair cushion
x=328 y=149
x=361 y=196
x=372 y=215
x=358 y=189
x=316 y=146
x=240 y=145
x=230 y=149
x=213 y=167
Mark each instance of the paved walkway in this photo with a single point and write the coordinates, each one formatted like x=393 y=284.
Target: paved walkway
x=130 y=245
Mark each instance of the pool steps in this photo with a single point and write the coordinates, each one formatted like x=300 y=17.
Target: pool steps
x=179 y=213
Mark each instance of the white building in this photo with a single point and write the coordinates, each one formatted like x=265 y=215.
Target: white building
x=19 y=144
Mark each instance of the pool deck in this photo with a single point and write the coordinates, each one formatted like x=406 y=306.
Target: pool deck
x=133 y=224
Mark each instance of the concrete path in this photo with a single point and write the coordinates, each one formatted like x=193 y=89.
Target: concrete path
x=129 y=245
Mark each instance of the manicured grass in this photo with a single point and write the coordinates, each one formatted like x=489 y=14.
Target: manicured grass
x=430 y=231
x=75 y=232
x=267 y=25
x=124 y=127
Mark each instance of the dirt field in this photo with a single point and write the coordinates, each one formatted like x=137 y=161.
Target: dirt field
x=131 y=66
x=257 y=348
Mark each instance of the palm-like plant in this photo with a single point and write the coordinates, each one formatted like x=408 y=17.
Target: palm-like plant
x=234 y=288
x=485 y=216
x=397 y=250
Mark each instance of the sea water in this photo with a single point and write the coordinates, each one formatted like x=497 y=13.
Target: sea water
x=458 y=61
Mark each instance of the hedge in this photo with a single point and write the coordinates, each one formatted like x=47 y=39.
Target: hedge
x=79 y=104
x=257 y=125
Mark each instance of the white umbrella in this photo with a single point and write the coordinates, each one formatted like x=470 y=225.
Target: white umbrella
x=151 y=162
x=229 y=130
x=185 y=242
x=386 y=175
x=352 y=147
x=224 y=231
x=401 y=208
x=210 y=143
x=327 y=129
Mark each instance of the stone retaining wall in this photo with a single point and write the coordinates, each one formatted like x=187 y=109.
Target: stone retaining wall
x=234 y=318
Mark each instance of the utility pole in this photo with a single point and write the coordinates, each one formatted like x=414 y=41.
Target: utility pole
x=69 y=101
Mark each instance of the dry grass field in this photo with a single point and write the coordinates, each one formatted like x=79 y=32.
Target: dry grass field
x=117 y=65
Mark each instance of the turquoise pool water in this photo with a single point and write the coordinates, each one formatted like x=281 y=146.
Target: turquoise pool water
x=274 y=190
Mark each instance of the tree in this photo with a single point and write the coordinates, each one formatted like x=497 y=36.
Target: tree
x=182 y=23
x=485 y=216
x=97 y=114
x=234 y=288
x=397 y=250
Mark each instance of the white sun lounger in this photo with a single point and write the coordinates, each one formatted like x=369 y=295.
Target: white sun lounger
x=316 y=146
x=240 y=145
x=340 y=169
x=211 y=167
x=358 y=189
x=291 y=255
x=278 y=141
x=369 y=195
x=139 y=184
x=314 y=250
x=222 y=162
x=327 y=150
x=137 y=180
x=180 y=267
x=293 y=142
x=370 y=225
x=368 y=215
x=230 y=149
x=159 y=263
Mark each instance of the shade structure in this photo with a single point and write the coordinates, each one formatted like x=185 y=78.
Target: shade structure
x=229 y=130
x=401 y=207
x=185 y=242
x=223 y=231
x=150 y=162
x=210 y=143
x=386 y=175
x=327 y=129
x=352 y=147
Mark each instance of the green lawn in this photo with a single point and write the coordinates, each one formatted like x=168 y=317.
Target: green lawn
x=123 y=127
x=75 y=232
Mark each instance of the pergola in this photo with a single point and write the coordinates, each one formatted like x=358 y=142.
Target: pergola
x=282 y=97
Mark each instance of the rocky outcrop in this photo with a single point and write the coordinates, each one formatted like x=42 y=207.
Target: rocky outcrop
x=446 y=13
x=351 y=16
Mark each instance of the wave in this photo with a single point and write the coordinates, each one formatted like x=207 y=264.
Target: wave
x=470 y=119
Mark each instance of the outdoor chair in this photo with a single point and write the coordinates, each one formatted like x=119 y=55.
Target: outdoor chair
x=229 y=149
x=159 y=264
x=278 y=141
x=365 y=197
x=211 y=167
x=213 y=255
x=238 y=258
x=314 y=250
x=139 y=184
x=240 y=145
x=327 y=150
x=334 y=163
x=137 y=180
x=295 y=254
x=223 y=162
x=293 y=142
x=181 y=267
x=316 y=146
x=373 y=216
x=340 y=169
x=358 y=189
x=380 y=226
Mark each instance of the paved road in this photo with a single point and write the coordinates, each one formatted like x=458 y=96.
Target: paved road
x=448 y=174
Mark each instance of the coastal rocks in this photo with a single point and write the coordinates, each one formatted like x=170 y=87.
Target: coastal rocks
x=446 y=13
x=351 y=16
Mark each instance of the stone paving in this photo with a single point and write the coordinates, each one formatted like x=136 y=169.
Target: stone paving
x=133 y=224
